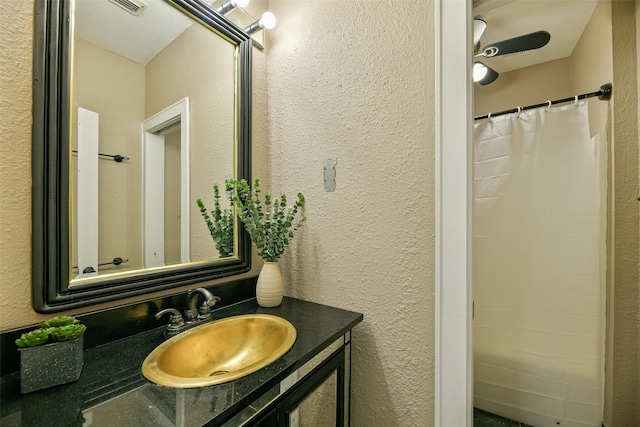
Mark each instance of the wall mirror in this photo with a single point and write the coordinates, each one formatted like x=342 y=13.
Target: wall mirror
x=139 y=108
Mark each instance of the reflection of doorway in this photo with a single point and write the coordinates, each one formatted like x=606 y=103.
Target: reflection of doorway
x=166 y=185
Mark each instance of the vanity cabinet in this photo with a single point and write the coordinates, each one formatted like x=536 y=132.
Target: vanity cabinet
x=319 y=400
x=317 y=394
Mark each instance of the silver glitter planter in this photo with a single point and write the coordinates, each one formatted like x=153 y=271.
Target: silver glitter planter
x=50 y=365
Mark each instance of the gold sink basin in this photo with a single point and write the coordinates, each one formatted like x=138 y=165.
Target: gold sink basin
x=219 y=351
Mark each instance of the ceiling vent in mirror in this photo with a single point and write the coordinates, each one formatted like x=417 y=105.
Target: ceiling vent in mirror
x=134 y=7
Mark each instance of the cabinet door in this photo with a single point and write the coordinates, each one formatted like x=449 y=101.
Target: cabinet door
x=319 y=400
x=269 y=420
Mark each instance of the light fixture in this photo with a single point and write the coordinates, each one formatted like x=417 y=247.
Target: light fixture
x=267 y=21
x=479 y=71
x=230 y=5
x=483 y=74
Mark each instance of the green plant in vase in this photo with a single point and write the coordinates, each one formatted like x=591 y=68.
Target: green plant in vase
x=271 y=225
x=221 y=226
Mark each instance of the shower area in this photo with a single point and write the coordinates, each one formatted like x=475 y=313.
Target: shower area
x=539 y=257
x=539 y=242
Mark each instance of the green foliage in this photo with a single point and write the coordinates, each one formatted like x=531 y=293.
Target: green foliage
x=59 y=321
x=33 y=338
x=67 y=332
x=271 y=227
x=221 y=227
x=60 y=328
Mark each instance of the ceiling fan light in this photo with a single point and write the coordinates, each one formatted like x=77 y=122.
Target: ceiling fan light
x=483 y=74
x=479 y=71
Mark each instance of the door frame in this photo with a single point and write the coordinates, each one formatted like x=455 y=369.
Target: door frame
x=454 y=304
x=153 y=143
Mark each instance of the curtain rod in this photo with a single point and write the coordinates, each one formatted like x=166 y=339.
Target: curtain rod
x=604 y=94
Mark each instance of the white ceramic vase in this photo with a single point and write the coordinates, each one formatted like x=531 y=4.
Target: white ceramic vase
x=269 y=289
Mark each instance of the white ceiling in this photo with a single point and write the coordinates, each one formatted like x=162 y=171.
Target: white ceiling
x=138 y=38
x=565 y=20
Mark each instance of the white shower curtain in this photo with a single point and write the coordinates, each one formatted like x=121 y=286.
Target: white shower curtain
x=537 y=251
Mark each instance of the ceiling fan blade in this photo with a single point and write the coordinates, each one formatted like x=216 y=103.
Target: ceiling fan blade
x=479 y=26
x=483 y=74
x=517 y=44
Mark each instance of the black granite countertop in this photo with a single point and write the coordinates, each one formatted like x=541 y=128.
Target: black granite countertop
x=112 y=390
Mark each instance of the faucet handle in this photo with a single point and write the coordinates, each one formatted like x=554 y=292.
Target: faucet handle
x=214 y=299
x=204 y=311
x=176 y=322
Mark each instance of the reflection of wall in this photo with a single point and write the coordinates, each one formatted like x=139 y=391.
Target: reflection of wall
x=16 y=50
x=121 y=91
x=187 y=67
x=318 y=409
x=113 y=87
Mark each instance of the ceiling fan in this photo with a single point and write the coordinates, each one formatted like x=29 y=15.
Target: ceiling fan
x=484 y=74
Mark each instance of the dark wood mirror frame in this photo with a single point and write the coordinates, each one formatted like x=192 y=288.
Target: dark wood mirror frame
x=52 y=291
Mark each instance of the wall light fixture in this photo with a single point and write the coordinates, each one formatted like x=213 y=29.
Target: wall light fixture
x=267 y=21
x=230 y=5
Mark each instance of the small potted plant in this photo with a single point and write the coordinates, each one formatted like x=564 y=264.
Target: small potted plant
x=271 y=228
x=51 y=355
x=221 y=226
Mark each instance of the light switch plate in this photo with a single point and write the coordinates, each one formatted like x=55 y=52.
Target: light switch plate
x=330 y=174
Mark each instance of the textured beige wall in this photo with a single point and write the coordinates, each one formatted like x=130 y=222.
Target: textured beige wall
x=16 y=30
x=589 y=71
x=355 y=81
x=638 y=196
x=622 y=362
x=526 y=86
x=16 y=26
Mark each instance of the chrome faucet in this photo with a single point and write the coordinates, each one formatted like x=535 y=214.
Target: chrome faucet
x=191 y=313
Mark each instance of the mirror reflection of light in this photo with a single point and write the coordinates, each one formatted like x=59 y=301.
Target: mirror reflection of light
x=479 y=71
x=242 y=3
